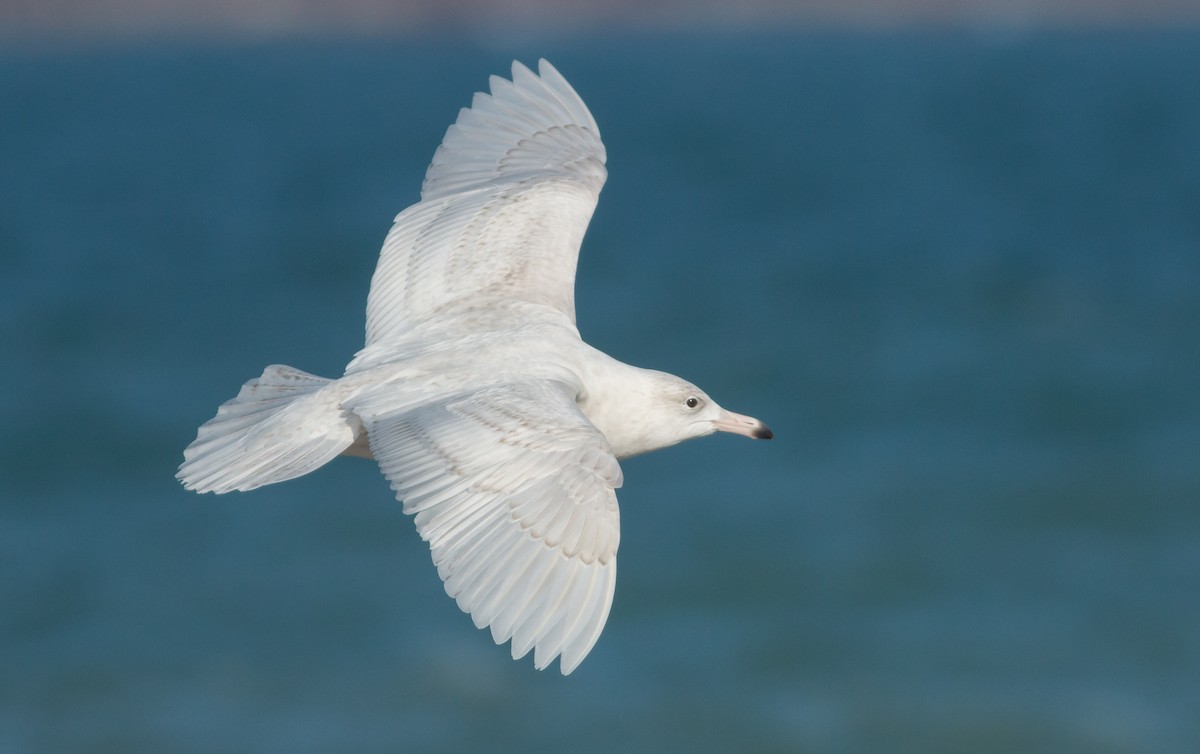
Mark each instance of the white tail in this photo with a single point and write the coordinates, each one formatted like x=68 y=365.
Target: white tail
x=280 y=426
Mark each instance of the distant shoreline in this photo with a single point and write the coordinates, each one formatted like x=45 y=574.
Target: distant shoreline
x=126 y=18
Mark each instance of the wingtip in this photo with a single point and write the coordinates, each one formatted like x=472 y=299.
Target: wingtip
x=518 y=67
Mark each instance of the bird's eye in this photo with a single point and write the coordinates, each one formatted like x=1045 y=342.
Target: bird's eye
x=691 y=401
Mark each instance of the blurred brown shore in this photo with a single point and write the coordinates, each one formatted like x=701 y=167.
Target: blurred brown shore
x=88 y=18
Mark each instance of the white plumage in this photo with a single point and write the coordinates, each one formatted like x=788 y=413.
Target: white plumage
x=497 y=427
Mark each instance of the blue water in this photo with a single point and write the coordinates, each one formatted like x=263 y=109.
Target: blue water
x=957 y=273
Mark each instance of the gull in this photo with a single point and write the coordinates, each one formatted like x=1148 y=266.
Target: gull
x=497 y=427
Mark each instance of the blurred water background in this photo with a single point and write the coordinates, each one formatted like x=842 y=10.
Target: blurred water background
x=957 y=272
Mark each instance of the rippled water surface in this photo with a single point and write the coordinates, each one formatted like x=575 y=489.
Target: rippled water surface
x=958 y=274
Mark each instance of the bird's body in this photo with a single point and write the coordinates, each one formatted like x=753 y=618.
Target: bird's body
x=497 y=426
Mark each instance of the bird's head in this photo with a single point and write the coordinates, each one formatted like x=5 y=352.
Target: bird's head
x=700 y=415
x=673 y=410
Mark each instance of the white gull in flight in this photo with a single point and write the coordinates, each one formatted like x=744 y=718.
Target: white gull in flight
x=497 y=426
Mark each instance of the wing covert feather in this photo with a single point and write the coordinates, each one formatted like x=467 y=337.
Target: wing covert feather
x=515 y=492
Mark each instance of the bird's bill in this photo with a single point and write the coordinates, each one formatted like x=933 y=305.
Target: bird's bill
x=743 y=425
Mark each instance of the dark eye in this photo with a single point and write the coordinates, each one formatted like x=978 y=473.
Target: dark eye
x=692 y=401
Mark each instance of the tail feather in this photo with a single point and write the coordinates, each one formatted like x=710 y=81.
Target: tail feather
x=280 y=426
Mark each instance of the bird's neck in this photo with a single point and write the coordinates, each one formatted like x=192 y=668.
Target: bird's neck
x=616 y=395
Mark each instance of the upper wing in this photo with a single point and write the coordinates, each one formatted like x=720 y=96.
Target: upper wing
x=534 y=126
x=503 y=209
x=513 y=488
